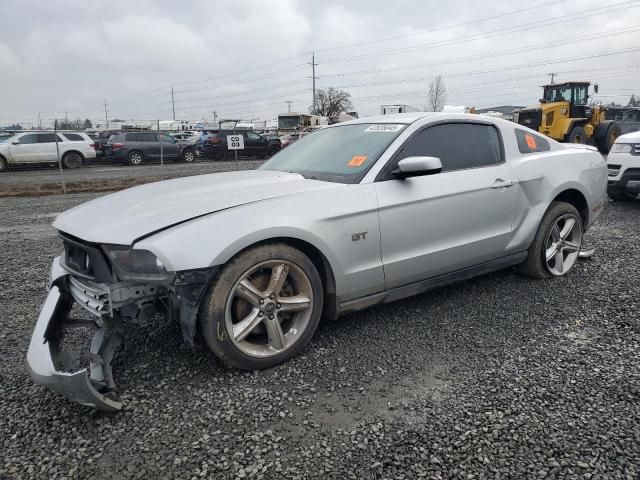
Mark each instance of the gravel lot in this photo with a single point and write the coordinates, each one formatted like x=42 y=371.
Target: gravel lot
x=498 y=377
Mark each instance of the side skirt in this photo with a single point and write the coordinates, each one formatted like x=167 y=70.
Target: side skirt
x=422 y=286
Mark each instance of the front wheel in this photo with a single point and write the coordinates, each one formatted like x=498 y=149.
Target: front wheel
x=72 y=160
x=264 y=307
x=188 y=156
x=557 y=243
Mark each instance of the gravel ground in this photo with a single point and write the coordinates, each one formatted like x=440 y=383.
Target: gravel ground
x=498 y=377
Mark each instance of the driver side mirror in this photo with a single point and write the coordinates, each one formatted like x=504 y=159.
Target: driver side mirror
x=595 y=87
x=15 y=142
x=417 y=167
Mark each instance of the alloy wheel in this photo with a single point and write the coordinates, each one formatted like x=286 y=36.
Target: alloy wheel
x=562 y=244
x=135 y=158
x=269 y=308
x=189 y=156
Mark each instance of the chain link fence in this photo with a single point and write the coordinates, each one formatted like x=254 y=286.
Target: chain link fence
x=62 y=160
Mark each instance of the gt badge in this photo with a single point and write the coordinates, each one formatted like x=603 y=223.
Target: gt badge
x=358 y=236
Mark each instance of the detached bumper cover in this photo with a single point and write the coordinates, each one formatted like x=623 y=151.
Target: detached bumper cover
x=77 y=385
x=71 y=353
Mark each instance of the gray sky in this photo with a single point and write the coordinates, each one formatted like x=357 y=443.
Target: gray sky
x=245 y=60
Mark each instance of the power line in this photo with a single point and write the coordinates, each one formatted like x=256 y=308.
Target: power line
x=498 y=32
x=439 y=29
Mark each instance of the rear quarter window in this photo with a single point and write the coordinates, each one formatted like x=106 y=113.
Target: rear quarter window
x=73 y=137
x=531 y=143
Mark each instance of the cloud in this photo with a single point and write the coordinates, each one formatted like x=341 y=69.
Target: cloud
x=248 y=58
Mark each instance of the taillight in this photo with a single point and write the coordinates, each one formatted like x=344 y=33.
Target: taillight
x=116 y=146
x=92 y=145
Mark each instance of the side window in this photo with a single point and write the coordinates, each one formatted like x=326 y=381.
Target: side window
x=459 y=146
x=530 y=142
x=131 y=137
x=28 y=139
x=253 y=136
x=48 y=138
x=73 y=137
x=167 y=138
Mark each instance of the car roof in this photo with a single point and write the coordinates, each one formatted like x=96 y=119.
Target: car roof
x=409 y=118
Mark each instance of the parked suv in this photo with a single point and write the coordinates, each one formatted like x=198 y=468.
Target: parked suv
x=214 y=145
x=40 y=147
x=137 y=148
x=623 y=163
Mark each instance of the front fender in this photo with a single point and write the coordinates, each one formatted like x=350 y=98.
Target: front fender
x=326 y=222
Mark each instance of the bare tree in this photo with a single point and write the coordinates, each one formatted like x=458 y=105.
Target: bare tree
x=331 y=102
x=437 y=95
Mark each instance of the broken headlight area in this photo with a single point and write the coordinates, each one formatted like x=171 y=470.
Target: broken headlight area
x=84 y=325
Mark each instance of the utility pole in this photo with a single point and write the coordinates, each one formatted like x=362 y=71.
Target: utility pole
x=106 y=115
x=313 y=76
x=289 y=102
x=215 y=116
x=39 y=121
x=173 y=104
x=553 y=76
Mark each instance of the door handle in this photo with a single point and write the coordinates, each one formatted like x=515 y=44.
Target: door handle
x=500 y=183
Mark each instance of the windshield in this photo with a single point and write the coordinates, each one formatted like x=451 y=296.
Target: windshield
x=338 y=154
x=288 y=122
x=5 y=137
x=558 y=94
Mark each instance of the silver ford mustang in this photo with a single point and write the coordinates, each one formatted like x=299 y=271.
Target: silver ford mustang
x=357 y=214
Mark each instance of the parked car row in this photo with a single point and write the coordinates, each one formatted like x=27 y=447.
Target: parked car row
x=129 y=147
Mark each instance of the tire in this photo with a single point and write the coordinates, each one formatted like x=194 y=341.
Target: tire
x=135 y=158
x=188 y=155
x=3 y=164
x=72 y=160
x=577 y=135
x=620 y=196
x=536 y=264
x=273 y=334
x=606 y=143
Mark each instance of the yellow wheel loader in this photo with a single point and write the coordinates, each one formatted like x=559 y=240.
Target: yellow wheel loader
x=565 y=115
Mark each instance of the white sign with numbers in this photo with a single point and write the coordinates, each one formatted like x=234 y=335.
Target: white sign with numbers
x=235 y=142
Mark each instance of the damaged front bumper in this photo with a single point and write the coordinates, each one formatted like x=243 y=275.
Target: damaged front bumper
x=72 y=356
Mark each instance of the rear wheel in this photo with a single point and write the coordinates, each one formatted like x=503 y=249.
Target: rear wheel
x=264 y=307
x=577 y=135
x=135 y=158
x=189 y=155
x=72 y=160
x=557 y=243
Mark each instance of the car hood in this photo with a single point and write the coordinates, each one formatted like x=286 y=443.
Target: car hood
x=126 y=216
x=629 y=138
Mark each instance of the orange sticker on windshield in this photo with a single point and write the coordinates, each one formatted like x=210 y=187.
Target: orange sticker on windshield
x=357 y=161
x=531 y=141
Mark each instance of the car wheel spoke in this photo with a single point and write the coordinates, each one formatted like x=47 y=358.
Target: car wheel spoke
x=245 y=326
x=277 y=340
x=559 y=261
x=555 y=233
x=296 y=303
x=278 y=276
x=249 y=292
x=567 y=228
x=570 y=246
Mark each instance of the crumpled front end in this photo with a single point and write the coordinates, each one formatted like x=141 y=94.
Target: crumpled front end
x=82 y=323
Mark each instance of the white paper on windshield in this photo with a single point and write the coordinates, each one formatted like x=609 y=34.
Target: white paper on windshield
x=385 y=127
